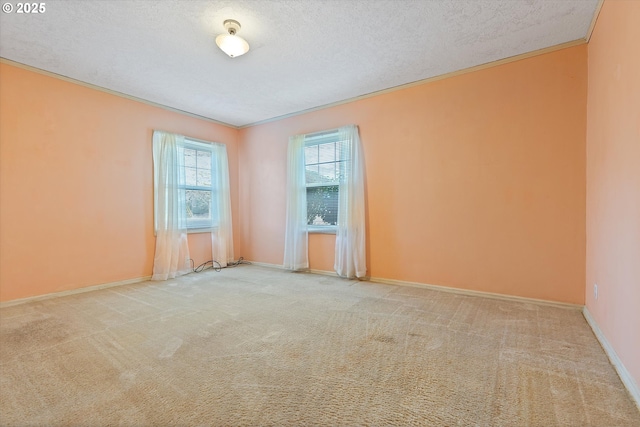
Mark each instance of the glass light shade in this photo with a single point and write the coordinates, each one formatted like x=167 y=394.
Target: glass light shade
x=232 y=45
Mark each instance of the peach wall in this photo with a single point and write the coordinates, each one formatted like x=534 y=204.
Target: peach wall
x=475 y=181
x=613 y=179
x=76 y=175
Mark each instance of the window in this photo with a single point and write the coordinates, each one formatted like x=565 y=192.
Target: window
x=197 y=189
x=325 y=194
x=325 y=160
x=198 y=172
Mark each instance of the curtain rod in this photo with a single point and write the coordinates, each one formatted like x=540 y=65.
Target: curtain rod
x=321 y=133
x=202 y=141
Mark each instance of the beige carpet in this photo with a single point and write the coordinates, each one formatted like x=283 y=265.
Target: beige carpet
x=256 y=346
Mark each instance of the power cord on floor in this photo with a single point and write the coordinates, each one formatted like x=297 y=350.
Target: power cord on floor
x=240 y=261
x=215 y=265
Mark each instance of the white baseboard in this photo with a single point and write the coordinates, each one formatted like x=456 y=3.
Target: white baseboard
x=280 y=267
x=467 y=292
x=266 y=264
x=74 y=291
x=324 y=272
x=622 y=371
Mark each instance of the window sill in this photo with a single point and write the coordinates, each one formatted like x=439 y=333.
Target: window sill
x=199 y=230
x=193 y=231
x=323 y=229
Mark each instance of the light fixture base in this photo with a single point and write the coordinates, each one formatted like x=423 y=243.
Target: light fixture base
x=231 y=25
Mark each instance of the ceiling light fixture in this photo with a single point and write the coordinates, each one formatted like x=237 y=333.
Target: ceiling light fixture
x=231 y=44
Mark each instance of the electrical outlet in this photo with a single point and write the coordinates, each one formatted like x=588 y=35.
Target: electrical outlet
x=595 y=290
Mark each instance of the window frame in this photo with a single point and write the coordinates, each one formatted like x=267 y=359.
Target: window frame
x=318 y=139
x=201 y=226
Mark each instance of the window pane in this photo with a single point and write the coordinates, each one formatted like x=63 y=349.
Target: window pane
x=204 y=159
x=311 y=154
x=189 y=157
x=198 y=204
x=204 y=177
x=190 y=176
x=312 y=175
x=327 y=152
x=327 y=172
x=322 y=205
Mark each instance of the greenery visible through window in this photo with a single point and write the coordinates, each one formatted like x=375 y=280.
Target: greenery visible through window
x=198 y=168
x=324 y=164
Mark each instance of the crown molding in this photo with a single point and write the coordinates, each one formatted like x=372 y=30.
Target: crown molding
x=325 y=106
x=425 y=81
x=111 y=92
x=592 y=26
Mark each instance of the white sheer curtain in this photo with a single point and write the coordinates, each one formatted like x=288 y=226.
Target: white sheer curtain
x=350 y=260
x=296 y=243
x=172 y=250
x=222 y=235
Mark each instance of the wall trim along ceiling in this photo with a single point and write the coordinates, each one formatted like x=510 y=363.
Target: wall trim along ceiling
x=320 y=107
x=594 y=20
x=109 y=91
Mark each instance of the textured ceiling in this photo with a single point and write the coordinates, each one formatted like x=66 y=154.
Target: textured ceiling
x=304 y=53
